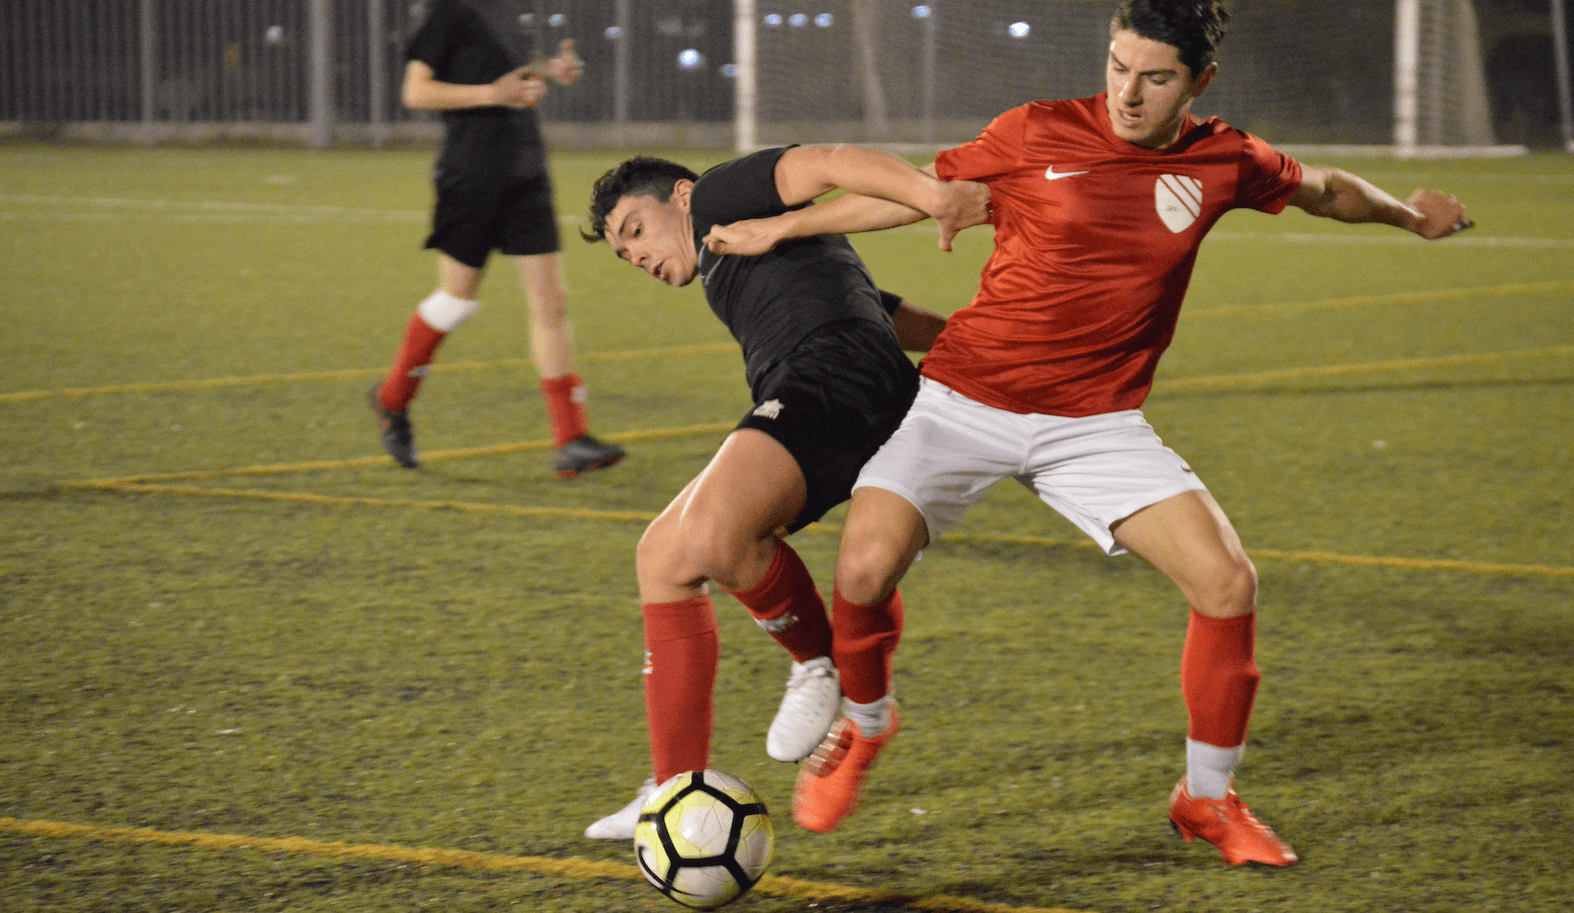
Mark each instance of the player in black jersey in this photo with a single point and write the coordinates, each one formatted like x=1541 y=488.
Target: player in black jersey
x=823 y=355
x=471 y=60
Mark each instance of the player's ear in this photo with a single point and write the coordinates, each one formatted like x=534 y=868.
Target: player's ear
x=1203 y=80
x=681 y=191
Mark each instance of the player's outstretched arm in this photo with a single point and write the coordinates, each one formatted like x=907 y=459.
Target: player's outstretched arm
x=1335 y=194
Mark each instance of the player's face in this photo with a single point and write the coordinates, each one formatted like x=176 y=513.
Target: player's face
x=1150 y=90
x=657 y=237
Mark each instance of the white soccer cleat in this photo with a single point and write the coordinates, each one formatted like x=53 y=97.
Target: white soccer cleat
x=811 y=704
x=620 y=824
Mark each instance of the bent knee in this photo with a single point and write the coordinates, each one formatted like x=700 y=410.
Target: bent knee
x=867 y=572
x=1227 y=590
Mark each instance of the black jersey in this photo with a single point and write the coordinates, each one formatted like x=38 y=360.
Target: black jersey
x=473 y=42
x=771 y=302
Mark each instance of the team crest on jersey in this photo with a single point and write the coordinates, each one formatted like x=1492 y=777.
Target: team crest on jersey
x=1178 y=199
x=769 y=409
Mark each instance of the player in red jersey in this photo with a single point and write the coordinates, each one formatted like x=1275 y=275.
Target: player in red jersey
x=1099 y=207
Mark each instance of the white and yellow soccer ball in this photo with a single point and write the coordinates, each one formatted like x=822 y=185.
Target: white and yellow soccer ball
x=704 y=838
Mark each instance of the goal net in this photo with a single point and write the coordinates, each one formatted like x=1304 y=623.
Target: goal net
x=1406 y=76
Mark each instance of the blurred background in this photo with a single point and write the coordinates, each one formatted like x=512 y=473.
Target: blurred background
x=1476 y=75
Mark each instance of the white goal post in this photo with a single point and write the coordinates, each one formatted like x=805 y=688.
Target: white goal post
x=1406 y=80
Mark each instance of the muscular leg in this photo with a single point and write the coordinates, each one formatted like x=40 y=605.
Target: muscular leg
x=721 y=527
x=1189 y=539
x=883 y=536
x=551 y=333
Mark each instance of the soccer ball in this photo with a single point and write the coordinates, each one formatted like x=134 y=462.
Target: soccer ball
x=704 y=838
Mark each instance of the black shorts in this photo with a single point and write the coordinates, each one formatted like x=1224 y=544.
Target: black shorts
x=475 y=216
x=832 y=402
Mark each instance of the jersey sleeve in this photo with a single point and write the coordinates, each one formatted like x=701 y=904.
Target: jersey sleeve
x=993 y=153
x=1268 y=177
x=434 y=40
x=744 y=188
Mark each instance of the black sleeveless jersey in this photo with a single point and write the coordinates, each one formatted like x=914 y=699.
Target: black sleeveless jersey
x=473 y=42
x=771 y=302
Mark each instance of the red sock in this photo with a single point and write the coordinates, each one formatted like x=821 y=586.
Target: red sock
x=865 y=638
x=1219 y=677
x=409 y=365
x=680 y=674
x=565 y=397
x=789 y=608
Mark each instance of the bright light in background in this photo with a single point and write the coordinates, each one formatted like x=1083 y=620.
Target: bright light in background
x=729 y=70
x=1019 y=29
x=556 y=20
x=614 y=32
x=690 y=59
x=798 y=20
x=824 y=20
x=274 y=34
x=773 y=19
x=922 y=12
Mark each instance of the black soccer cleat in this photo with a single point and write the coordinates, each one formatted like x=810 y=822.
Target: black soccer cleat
x=397 y=435
x=582 y=454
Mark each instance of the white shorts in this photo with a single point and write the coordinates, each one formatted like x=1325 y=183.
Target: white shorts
x=1094 y=471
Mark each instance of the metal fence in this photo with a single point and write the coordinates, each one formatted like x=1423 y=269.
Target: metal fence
x=663 y=71
x=332 y=68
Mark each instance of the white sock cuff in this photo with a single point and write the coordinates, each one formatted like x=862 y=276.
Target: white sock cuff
x=872 y=719
x=444 y=312
x=1209 y=768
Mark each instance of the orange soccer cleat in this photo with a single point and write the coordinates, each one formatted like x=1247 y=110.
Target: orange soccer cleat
x=1229 y=825
x=831 y=778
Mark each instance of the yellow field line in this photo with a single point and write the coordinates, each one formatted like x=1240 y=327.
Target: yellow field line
x=649 y=434
x=1521 y=288
x=492 y=862
x=1165 y=385
x=350 y=373
x=1527 y=288
x=1305 y=557
x=135 y=486
x=1227 y=380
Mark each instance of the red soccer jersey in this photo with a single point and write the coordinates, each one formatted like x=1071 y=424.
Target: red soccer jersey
x=1095 y=240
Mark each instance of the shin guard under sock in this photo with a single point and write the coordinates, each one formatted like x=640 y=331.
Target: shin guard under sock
x=681 y=651
x=786 y=604
x=864 y=638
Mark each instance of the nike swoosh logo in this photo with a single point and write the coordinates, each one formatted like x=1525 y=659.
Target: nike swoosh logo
x=1052 y=175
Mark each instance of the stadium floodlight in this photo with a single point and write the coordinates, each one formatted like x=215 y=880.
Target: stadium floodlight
x=1019 y=29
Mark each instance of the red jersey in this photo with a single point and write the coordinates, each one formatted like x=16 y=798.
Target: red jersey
x=1095 y=240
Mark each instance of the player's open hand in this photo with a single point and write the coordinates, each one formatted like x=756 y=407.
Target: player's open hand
x=963 y=204
x=567 y=65
x=519 y=89
x=1441 y=214
x=748 y=238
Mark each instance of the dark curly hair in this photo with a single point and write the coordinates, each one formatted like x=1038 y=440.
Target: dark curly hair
x=1193 y=27
x=641 y=175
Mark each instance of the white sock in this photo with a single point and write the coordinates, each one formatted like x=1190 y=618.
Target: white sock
x=872 y=719
x=444 y=312
x=1210 y=769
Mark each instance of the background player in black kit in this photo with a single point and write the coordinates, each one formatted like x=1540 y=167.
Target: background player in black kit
x=471 y=60
x=822 y=349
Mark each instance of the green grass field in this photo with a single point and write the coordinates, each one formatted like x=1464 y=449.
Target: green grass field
x=249 y=664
